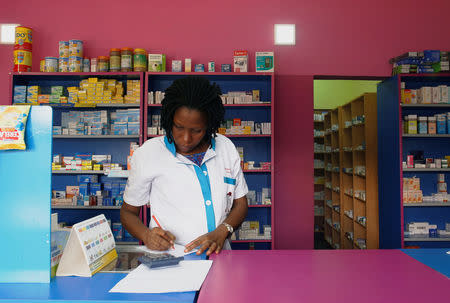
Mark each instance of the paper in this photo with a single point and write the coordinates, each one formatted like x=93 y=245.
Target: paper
x=187 y=276
x=178 y=251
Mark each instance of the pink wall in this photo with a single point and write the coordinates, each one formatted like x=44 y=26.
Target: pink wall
x=346 y=37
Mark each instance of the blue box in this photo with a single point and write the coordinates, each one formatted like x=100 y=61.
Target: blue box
x=441 y=124
x=117 y=230
x=226 y=68
x=133 y=128
x=84 y=189
x=431 y=56
x=93 y=188
x=122 y=186
x=87 y=178
x=200 y=68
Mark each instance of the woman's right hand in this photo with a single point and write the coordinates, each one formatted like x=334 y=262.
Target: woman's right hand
x=158 y=239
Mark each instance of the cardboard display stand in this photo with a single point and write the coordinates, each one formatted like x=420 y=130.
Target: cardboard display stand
x=90 y=247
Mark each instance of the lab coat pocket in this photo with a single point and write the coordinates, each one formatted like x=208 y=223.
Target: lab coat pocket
x=229 y=185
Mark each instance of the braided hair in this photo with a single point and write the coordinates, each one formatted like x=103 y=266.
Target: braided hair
x=193 y=92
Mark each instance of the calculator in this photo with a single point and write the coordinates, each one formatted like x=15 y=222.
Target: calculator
x=153 y=260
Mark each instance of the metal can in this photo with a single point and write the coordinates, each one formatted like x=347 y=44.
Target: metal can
x=64 y=49
x=24 y=38
x=75 y=64
x=51 y=64
x=22 y=61
x=75 y=48
x=63 y=66
x=86 y=65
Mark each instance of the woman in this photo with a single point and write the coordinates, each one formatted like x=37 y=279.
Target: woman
x=192 y=177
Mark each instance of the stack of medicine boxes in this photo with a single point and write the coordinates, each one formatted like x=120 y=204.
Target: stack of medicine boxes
x=20 y=94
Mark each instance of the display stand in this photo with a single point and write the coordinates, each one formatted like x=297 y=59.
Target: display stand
x=25 y=178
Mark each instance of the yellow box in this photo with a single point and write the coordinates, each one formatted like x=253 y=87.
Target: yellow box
x=93 y=80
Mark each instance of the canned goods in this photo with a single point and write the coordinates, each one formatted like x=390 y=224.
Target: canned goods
x=51 y=64
x=64 y=49
x=22 y=61
x=75 y=64
x=23 y=39
x=63 y=66
x=140 y=60
x=86 y=65
x=42 y=66
x=75 y=48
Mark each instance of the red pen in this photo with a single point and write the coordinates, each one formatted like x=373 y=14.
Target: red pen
x=159 y=225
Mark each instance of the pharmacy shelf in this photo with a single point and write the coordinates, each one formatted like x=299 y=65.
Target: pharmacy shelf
x=262 y=104
x=347 y=216
x=425 y=105
x=96 y=137
x=260 y=206
x=426 y=239
x=78 y=172
x=360 y=224
x=394 y=146
x=427 y=204
x=84 y=207
x=426 y=169
x=426 y=136
x=251 y=241
x=364 y=201
x=253 y=171
x=87 y=105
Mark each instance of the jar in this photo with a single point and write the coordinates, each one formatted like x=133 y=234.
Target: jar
x=126 y=59
x=423 y=125
x=114 y=60
x=102 y=64
x=140 y=60
x=432 y=125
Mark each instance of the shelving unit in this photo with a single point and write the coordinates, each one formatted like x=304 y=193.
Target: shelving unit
x=319 y=175
x=116 y=146
x=394 y=148
x=362 y=114
x=351 y=143
x=258 y=148
x=328 y=188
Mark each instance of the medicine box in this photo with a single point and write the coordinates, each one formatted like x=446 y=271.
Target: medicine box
x=156 y=62
x=264 y=61
x=187 y=65
x=176 y=66
x=240 y=61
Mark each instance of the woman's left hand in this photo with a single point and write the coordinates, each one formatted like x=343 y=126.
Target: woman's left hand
x=212 y=241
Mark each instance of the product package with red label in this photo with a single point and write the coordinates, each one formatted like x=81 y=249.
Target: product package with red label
x=13 y=121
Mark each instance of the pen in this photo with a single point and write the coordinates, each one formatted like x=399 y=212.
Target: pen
x=159 y=225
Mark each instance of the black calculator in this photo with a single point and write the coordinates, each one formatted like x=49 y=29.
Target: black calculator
x=153 y=260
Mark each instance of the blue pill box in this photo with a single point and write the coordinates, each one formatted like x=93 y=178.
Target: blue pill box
x=441 y=124
x=226 y=68
x=199 y=68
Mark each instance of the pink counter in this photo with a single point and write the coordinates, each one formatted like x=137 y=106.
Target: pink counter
x=367 y=276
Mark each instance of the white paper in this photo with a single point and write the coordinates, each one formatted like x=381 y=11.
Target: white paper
x=187 y=276
x=178 y=251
